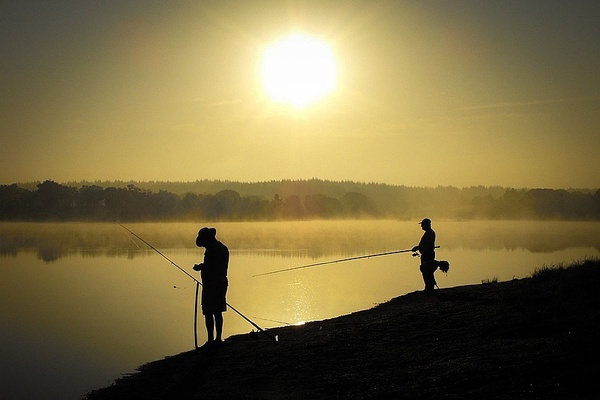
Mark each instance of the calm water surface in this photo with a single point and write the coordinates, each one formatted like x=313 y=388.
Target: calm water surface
x=81 y=304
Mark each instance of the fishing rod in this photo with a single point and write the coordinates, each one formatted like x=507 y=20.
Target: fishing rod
x=196 y=316
x=198 y=283
x=336 y=261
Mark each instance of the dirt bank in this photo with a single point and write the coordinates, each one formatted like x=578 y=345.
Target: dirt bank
x=534 y=338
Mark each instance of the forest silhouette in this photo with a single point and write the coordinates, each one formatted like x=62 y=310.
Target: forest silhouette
x=285 y=200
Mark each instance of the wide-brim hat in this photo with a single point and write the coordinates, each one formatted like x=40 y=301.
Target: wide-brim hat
x=204 y=235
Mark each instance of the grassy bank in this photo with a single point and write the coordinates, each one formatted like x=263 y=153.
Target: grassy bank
x=534 y=338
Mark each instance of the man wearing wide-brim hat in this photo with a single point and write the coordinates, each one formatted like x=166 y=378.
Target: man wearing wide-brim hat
x=213 y=272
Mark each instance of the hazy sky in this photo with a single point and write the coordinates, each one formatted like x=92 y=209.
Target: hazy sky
x=428 y=92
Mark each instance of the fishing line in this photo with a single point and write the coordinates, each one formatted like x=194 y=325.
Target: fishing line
x=130 y=238
x=336 y=261
x=198 y=283
x=274 y=320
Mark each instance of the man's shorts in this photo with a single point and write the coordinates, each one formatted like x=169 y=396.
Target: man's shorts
x=214 y=298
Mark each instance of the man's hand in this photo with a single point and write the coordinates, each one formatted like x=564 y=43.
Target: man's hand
x=197 y=267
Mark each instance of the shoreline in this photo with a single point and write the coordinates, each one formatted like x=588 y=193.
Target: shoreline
x=532 y=338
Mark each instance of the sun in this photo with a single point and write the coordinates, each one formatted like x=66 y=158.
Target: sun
x=298 y=70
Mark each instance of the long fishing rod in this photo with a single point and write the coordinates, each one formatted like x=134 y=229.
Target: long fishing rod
x=195 y=280
x=336 y=261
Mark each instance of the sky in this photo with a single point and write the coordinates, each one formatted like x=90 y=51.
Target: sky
x=427 y=93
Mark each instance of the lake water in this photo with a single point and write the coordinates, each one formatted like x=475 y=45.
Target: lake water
x=82 y=304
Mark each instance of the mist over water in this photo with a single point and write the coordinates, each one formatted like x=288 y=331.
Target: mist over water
x=84 y=303
x=52 y=241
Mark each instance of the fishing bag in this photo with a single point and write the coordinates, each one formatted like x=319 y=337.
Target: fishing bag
x=444 y=266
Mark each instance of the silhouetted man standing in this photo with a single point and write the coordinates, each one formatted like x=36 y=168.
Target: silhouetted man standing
x=427 y=249
x=213 y=272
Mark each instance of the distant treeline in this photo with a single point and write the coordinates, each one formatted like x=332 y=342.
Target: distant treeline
x=285 y=200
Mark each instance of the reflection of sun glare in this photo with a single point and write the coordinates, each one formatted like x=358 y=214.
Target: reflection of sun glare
x=298 y=70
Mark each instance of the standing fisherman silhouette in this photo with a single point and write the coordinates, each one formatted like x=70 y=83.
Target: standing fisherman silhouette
x=213 y=272
x=427 y=249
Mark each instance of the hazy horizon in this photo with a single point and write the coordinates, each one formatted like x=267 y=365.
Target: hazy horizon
x=154 y=182
x=430 y=93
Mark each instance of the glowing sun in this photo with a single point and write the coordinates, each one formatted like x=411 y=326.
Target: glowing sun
x=298 y=70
